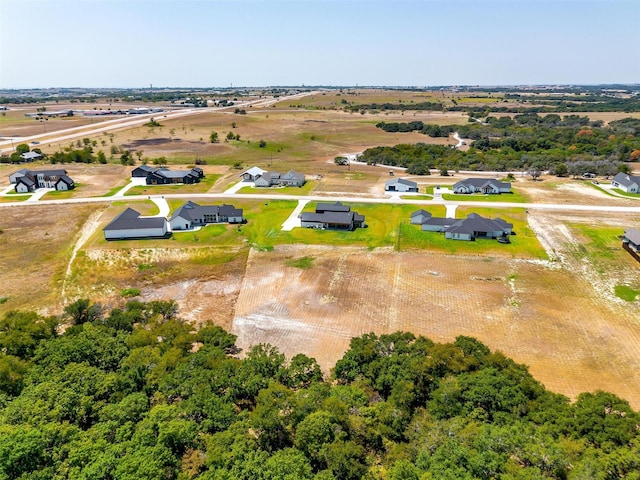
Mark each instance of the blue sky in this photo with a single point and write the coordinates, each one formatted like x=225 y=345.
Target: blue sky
x=104 y=43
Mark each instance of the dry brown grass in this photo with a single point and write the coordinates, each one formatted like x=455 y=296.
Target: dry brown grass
x=573 y=340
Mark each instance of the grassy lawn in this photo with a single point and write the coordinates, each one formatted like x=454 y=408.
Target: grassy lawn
x=625 y=194
x=205 y=184
x=14 y=198
x=114 y=190
x=626 y=293
x=303 y=190
x=62 y=194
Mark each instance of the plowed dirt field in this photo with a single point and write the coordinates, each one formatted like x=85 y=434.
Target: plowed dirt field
x=542 y=314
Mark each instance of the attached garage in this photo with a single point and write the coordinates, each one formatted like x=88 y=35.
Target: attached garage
x=129 y=224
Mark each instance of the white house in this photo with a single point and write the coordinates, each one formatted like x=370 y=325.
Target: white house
x=29 y=180
x=129 y=224
x=400 y=185
x=626 y=183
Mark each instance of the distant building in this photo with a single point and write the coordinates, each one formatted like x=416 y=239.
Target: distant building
x=164 y=176
x=332 y=216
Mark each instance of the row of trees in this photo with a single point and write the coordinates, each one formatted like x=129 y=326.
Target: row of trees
x=135 y=393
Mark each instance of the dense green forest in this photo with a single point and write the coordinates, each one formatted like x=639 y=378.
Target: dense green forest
x=135 y=393
x=569 y=145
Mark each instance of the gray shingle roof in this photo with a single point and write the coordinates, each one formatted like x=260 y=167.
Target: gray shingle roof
x=633 y=235
x=626 y=180
x=402 y=181
x=479 y=182
x=332 y=207
x=130 y=220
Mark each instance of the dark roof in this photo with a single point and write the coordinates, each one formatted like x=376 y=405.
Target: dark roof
x=145 y=168
x=174 y=173
x=443 y=222
x=476 y=223
x=626 y=180
x=192 y=211
x=26 y=180
x=131 y=220
x=420 y=212
x=332 y=207
x=633 y=235
x=338 y=218
x=65 y=179
x=48 y=173
x=479 y=182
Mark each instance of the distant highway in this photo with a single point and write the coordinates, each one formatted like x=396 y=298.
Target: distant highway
x=8 y=145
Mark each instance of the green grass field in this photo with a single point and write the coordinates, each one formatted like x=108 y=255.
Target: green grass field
x=14 y=198
x=303 y=190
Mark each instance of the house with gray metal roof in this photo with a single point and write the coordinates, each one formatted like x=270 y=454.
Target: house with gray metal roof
x=470 y=228
x=334 y=216
x=26 y=180
x=481 y=185
x=251 y=174
x=400 y=185
x=191 y=215
x=129 y=225
x=626 y=183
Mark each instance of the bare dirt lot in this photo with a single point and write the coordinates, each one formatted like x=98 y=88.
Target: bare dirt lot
x=574 y=339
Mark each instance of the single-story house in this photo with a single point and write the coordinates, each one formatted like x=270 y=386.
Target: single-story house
x=481 y=185
x=30 y=156
x=470 y=228
x=332 y=216
x=400 y=185
x=289 y=179
x=129 y=224
x=626 y=183
x=144 y=170
x=251 y=174
x=192 y=215
x=631 y=239
x=29 y=180
x=165 y=176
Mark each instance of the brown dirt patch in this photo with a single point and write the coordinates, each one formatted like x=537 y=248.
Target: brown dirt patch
x=573 y=339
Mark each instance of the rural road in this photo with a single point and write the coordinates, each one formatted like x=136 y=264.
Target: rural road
x=7 y=144
x=341 y=198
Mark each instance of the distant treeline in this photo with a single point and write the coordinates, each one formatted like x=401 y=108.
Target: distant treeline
x=517 y=143
x=136 y=393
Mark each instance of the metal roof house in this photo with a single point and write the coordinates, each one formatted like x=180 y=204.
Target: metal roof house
x=192 y=215
x=332 y=216
x=626 y=183
x=481 y=185
x=144 y=170
x=129 y=225
x=30 y=156
x=400 y=185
